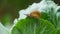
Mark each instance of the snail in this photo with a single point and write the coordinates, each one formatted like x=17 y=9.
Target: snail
x=34 y=14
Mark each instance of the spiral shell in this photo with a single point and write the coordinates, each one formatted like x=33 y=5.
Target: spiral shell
x=35 y=14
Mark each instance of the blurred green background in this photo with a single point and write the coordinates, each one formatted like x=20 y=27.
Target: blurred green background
x=9 y=9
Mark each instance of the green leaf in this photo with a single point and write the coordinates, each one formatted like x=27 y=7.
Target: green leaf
x=16 y=31
x=33 y=26
x=58 y=19
x=58 y=31
x=44 y=15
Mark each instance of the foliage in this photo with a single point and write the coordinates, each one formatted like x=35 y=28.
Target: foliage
x=48 y=23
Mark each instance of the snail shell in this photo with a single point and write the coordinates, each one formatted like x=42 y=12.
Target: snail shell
x=35 y=14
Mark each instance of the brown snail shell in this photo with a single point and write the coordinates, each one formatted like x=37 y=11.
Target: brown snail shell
x=35 y=14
